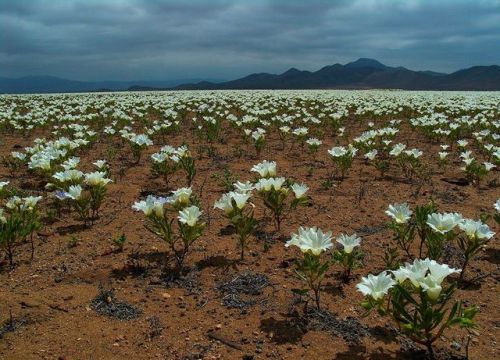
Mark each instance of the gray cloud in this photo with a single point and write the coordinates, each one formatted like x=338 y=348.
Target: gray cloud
x=155 y=39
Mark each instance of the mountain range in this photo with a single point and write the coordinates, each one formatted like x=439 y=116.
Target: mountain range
x=52 y=84
x=363 y=73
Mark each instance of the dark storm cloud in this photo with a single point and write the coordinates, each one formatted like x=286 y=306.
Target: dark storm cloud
x=155 y=39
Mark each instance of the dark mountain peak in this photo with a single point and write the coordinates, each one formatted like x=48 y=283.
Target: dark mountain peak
x=475 y=69
x=292 y=71
x=330 y=67
x=366 y=62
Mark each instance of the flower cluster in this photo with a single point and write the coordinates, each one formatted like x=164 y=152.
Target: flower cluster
x=274 y=191
x=161 y=223
x=415 y=297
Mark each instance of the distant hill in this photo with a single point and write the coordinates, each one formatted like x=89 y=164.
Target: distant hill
x=363 y=74
x=52 y=84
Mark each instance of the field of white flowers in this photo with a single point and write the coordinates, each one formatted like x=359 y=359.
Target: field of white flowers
x=249 y=224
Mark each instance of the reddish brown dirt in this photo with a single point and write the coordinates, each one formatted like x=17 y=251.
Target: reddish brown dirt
x=53 y=292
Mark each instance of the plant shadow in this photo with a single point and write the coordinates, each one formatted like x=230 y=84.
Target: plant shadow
x=139 y=265
x=215 y=261
x=285 y=331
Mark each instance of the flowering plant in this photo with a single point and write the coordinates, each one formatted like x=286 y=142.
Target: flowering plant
x=239 y=212
x=342 y=157
x=434 y=229
x=79 y=199
x=313 y=144
x=475 y=235
x=350 y=256
x=3 y=188
x=259 y=140
x=404 y=232
x=18 y=220
x=274 y=191
x=165 y=163
x=186 y=162
x=189 y=225
x=96 y=183
x=138 y=143
x=416 y=299
x=311 y=269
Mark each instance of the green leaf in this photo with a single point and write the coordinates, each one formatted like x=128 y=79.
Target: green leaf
x=300 y=292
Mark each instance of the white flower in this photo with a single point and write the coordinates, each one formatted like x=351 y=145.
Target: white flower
x=337 y=151
x=3 y=184
x=267 y=184
x=18 y=155
x=68 y=175
x=239 y=198
x=475 y=229
x=3 y=219
x=299 y=190
x=302 y=131
x=371 y=154
x=497 y=205
x=13 y=202
x=181 y=195
x=397 y=149
x=439 y=271
x=462 y=143
x=159 y=157
x=142 y=140
x=489 y=166
x=97 y=178
x=415 y=153
x=314 y=142
x=311 y=239
x=257 y=135
x=264 y=185
x=400 y=274
x=151 y=205
x=31 y=201
x=265 y=168
x=189 y=215
x=349 y=242
x=71 y=163
x=416 y=271
x=285 y=129
x=443 y=223
x=431 y=286
x=74 y=192
x=277 y=183
x=466 y=154
x=376 y=286
x=442 y=155
x=224 y=204
x=100 y=163
x=401 y=213
x=243 y=187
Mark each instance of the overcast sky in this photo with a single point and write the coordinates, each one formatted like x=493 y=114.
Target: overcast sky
x=163 y=39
